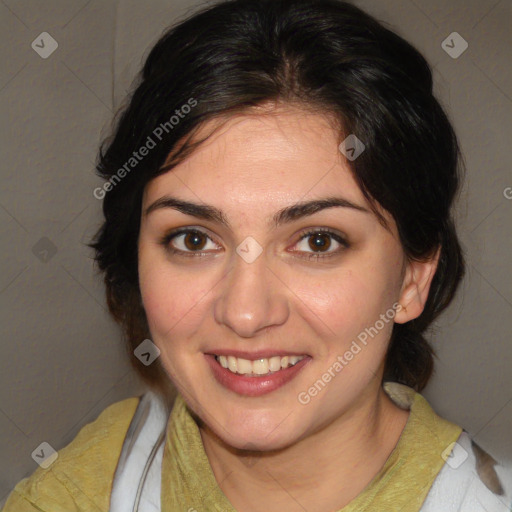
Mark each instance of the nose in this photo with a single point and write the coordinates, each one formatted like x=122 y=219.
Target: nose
x=251 y=298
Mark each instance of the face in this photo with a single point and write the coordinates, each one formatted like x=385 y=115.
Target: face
x=255 y=286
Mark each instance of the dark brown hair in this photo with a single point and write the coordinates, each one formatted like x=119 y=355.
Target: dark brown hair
x=323 y=54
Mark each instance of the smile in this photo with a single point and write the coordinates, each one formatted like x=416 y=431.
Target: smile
x=258 y=376
x=258 y=367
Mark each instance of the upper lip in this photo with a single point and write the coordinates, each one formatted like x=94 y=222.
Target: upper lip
x=253 y=356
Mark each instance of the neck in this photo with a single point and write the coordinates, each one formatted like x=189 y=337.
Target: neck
x=323 y=471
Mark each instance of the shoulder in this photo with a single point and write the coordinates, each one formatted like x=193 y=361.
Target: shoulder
x=81 y=476
x=466 y=477
x=471 y=479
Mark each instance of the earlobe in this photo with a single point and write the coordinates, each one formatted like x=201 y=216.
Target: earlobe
x=415 y=287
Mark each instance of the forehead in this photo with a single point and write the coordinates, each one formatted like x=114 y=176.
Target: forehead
x=278 y=156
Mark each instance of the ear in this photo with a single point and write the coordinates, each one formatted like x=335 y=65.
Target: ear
x=415 y=287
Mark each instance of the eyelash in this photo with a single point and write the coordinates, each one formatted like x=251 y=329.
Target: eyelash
x=166 y=240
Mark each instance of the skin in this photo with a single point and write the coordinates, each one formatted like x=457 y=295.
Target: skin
x=317 y=456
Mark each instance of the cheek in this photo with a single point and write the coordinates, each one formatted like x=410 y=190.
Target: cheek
x=171 y=300
x=341 y=299
x=347 y=306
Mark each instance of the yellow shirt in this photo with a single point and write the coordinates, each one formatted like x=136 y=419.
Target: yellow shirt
x=81 y=478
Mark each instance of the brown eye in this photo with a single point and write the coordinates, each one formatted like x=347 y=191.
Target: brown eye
x=192 y=240
x=319 y=241
x=316 y=244
x=187 y=242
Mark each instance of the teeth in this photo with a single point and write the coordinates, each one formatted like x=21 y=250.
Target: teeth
x=274 y=363
x=294 y=359
x=243 y=366
x=232 y=364
x=259 y=366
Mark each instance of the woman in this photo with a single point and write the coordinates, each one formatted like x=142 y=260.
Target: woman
x=278 y=237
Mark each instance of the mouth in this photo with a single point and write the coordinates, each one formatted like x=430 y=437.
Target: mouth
x=257 y=367
x=255 y=377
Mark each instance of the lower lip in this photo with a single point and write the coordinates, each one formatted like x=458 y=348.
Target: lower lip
x=254 y=386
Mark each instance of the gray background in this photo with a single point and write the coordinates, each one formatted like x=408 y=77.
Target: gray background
x=62 y=361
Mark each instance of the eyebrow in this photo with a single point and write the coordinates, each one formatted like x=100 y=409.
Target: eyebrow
x=284 y=216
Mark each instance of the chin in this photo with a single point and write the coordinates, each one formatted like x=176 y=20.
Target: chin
x=254 y=431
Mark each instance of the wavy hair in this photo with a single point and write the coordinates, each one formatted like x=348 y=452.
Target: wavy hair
x=326 y=55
